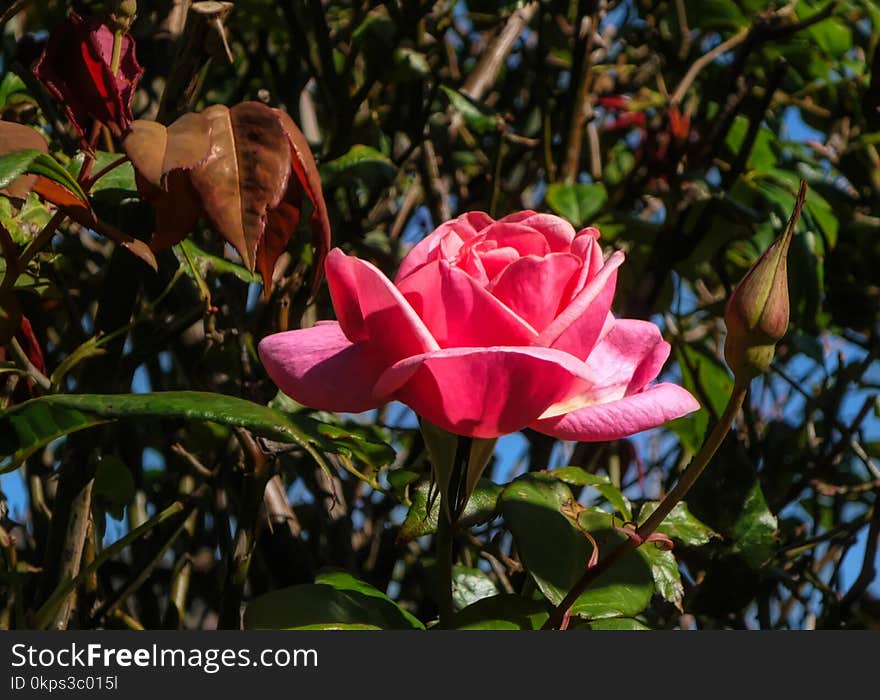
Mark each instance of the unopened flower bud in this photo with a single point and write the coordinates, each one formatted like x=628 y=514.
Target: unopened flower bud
x=122 y=14
x=757 y=313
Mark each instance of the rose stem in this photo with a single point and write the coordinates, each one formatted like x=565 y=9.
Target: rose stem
x=450 y=507
x=444 y=567
x=559 y=617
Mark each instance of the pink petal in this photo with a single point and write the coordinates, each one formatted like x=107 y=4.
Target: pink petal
x=321 y=368
x=587 y=248
x=465 y=226
x=459 y=312
x=577 y=329
x=482 y=392
x=558 y=232
x=629 y=356
x=617 y=419
x=496 y=260
x=526 y=240
x=371 y=309
x=533 y=287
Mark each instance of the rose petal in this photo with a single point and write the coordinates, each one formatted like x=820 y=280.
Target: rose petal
x=370 y=308
x=576 y=330
x=630 y=354
x=482 y=392
x=558 y=232
x=321 y=368
x=526 y=240
x=497 y=259
x=465 y=226
x=617 y=419
x=533 y=287
x=459 y=312
x=586 y=247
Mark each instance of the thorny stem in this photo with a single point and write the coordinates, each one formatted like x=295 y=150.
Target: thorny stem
x=559 y=617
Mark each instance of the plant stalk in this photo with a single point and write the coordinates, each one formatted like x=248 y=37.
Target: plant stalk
x=559 y=617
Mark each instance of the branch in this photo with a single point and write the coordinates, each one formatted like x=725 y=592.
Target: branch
x=486 y=71
x=704 y=61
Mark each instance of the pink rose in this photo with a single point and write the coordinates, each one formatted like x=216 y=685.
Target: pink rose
x=489 y=327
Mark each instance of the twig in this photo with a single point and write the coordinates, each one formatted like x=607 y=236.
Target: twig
x=704 y=61
x=25 y=362
x=486 y=71
x=685 y=31
x=869 y=560
x=246 y=533
x=581 y=106
x=13 y=10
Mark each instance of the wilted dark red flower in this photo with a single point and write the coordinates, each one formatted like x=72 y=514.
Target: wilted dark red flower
x=75 y=67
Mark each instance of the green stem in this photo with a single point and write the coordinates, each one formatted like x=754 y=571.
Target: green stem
x=559 y=617
x=116 y=56
x=444 y=566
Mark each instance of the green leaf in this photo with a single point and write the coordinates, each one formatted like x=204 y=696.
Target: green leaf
x=360 y=442
x=470 y=585
x=709 y=381
x=540 y=514
x=506 y=611
x=362 y=163
x=336 y=600
x=729 y=498
x=482 y=507
x=754 y=532
x=13 y=90
x=407 y=65
x=26 y=428
x=114 y=485
x=680 y=524
x=476 y=115
x=576 y=202
x=714 y=14
x=575 y=476
x=119 y=178
x=611 y=624
x=205 y=263
x=833 y=36
x=23 y=225
x=664 y=569
x=14 y=165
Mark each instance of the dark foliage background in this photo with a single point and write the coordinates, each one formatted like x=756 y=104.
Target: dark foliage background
x=680 y=129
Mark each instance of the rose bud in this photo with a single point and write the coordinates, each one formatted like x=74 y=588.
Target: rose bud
x=757 y=313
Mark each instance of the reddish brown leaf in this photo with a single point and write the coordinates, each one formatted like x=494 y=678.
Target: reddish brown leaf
x=246 y=174
x=306 y=171
x=75 y=67
x=59 y=195
x=18 y=137
x=280 y=223
x=245 y=169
